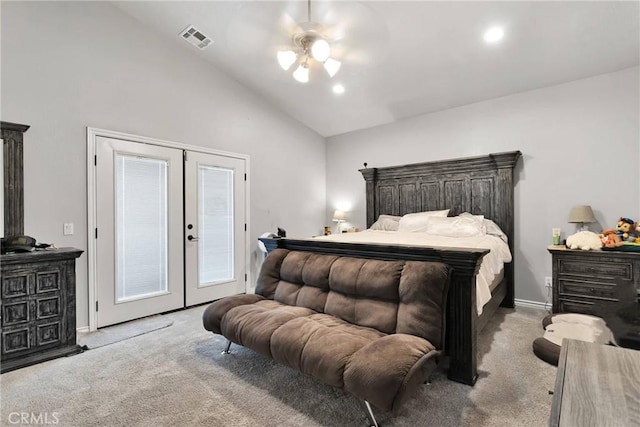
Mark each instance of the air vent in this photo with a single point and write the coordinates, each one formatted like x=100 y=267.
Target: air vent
x=195 y=37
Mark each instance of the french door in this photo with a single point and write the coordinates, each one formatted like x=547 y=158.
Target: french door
x=214 y=216
x=170 y=228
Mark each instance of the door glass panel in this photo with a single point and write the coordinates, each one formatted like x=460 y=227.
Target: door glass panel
x=215 y=224
x=141 y=227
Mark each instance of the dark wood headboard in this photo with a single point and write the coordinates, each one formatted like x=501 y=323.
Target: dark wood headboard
x=481 y=185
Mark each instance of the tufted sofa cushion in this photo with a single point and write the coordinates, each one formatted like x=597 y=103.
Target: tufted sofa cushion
x=320 y=345
x=371 y=327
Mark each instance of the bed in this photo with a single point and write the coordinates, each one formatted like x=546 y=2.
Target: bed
x=480 y=185
x=491 y=271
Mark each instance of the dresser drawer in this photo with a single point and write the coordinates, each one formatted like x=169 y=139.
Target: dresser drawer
x=590 y=268
x=39 y=280
x=22 y=340
x=16 y=311
x=15 y=284
x=588 y=288
x=566 y=305
x=17 y=340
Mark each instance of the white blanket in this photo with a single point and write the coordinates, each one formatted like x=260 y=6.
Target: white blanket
x=492 y=263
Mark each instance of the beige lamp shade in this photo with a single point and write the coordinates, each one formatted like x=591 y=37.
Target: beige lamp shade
x=582 y=214
x=339 y=216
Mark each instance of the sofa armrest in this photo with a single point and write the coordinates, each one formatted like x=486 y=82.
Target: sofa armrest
x=389 y=370
x=212 y=316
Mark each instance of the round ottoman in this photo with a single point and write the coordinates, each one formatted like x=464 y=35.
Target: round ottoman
x=558 y=326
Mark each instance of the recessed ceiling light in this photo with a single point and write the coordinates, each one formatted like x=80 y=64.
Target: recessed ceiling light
x=338 y=89
x=493 y=34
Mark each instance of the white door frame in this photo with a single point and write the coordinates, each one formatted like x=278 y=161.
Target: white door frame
x=92 y=134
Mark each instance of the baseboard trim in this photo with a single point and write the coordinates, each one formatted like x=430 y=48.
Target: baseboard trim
x=532 y=304
x=82 y=329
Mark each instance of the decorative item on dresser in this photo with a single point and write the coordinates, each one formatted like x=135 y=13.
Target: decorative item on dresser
x=480 y=185
x=339 y=217
x=38 y=306
x=600 y=283
x=582 y=214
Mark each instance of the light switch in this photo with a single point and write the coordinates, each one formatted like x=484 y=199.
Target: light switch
x=68 y=229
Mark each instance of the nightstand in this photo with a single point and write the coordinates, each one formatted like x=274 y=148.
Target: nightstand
x=589 y=281
x=600 y=283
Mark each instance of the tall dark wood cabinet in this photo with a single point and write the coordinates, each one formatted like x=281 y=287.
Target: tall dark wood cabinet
x=38 y=308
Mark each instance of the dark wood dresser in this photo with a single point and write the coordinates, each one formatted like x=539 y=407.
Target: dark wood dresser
x=601 y=283
x=38 y=306
x=590 y=282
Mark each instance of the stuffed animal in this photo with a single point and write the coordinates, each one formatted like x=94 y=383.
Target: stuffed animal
x=585 y=240
x=624 y=228
x=610 y=238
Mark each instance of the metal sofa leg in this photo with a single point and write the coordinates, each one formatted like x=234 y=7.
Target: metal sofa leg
x=226 y=349
x=372 y=418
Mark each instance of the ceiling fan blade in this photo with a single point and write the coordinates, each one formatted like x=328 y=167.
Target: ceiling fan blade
x=288 y=25
x=355 y=30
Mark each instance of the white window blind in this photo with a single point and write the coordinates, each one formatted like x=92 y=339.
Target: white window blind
x=215 y=227
x=141 y=226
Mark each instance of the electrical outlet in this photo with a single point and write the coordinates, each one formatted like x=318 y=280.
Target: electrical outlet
x=548 y=282
x=67 y=229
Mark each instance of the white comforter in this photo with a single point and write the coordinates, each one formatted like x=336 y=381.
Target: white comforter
x=492 y=263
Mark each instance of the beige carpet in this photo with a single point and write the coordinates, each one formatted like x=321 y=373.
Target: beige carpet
x=176 y=376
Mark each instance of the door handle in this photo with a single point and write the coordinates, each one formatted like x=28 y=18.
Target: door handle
x=191 y=238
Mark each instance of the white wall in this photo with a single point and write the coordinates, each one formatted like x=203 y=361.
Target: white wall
x=580 y=145
x=69 y=65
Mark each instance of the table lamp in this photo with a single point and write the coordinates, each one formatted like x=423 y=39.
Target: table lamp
x=339 y=217
x=582 y=214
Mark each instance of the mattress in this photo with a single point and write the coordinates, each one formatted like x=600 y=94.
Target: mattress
x=491 y=269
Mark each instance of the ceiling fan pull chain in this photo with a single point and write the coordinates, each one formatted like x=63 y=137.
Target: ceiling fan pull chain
x=308 y=10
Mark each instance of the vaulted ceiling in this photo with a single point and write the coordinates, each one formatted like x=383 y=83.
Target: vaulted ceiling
x=402 y=59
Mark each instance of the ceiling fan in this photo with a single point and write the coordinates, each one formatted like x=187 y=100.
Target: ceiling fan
x=309 y=43
x=262 y=34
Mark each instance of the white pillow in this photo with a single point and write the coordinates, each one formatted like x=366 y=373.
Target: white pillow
x=478 y=218
x=489 y=227
x=469 y=215
x=457 y=226
x=386 y=223
x=493 y=229
x=418 y=221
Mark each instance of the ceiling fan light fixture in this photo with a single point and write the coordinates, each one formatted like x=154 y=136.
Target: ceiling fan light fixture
x=320 y=50
x=338 y=89
x=286 y=58
x=494 y=35
x=308 y=45
x=301 y=74
x=332 y=66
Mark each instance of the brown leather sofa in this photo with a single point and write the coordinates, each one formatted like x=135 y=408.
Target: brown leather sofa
x=374 y=328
